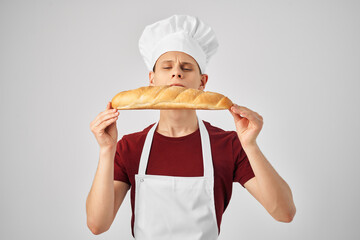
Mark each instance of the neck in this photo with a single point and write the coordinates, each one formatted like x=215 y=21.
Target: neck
x=177 y=123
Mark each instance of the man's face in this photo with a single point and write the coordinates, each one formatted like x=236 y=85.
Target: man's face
x=177 y=68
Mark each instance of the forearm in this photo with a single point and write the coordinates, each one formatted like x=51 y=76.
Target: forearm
x=275 y=192
x=100 y=201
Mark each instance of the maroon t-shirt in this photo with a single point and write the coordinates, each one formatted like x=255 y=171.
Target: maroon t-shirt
x=182 y=156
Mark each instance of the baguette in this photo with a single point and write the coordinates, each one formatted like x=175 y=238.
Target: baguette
x=169 y=97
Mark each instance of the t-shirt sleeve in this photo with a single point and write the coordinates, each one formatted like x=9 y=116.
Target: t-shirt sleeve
x=242 y=169
x=120 y=172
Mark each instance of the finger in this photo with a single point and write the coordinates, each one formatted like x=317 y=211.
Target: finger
x=107 y=111
x=235 y=109
x=105 y=124
x=105 y=116
x=252 y=115
x=100 y=117
x=242 y=108
x=245 y=110
x=259 y=116
x=111 y=106
x=109 y=114
x=236 y=116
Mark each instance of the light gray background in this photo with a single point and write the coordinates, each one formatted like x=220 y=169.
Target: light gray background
x=294 y=62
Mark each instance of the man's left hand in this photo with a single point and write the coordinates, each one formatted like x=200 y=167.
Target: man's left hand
x=248 y=124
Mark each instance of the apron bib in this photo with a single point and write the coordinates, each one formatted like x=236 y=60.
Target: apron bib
x=172 y=207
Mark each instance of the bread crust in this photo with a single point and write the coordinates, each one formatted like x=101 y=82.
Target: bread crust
x=170 y=97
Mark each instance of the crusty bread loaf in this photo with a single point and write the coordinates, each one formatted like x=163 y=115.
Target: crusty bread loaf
x=170 y=97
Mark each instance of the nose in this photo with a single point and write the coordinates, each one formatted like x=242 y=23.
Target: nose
x=177 y=72
x=178 y=75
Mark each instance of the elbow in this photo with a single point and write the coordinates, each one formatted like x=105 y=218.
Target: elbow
x=287 y=216
x=286 y=219
x=95 y=229
x=96 y=225
x=282 y=209
x=283 y=212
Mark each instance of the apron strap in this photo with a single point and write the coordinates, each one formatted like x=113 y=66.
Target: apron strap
x=205 y=147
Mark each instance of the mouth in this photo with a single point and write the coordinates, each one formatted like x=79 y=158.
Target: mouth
x=175 y=84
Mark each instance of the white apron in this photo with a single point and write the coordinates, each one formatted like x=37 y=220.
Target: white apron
x=173 y=207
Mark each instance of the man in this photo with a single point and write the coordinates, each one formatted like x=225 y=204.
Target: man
x=181 y=169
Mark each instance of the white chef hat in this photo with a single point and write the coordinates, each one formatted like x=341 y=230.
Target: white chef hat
x=181 y=33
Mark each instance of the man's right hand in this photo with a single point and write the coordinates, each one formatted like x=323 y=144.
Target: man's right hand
x=104 y=127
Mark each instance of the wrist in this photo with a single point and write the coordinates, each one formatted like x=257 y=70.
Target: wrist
x=107 y=149
x=252 y=145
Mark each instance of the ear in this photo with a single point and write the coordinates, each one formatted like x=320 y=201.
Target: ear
x=151 y=78
x=203 y=80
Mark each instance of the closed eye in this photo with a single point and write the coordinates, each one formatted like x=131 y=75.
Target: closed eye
x=184 y=68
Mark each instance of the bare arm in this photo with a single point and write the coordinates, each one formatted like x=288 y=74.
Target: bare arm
x=269 y=188
x=120 y=188
x=100 y=201
x=105 y=196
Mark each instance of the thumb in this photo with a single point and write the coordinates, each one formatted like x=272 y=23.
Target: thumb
x=236 y=116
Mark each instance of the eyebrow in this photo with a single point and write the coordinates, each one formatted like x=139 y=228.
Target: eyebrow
x=173 y=61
